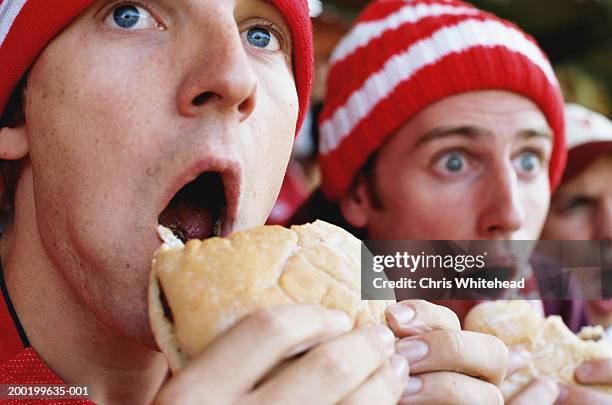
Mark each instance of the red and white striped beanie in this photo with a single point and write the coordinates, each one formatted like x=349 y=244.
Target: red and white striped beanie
x=402 y=56
x=27 y=26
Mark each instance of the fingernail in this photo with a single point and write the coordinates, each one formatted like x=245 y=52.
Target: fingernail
x=413 y=386
x=344 y=322
x=399 y=365
x=583 y=372
x=412 y=350
x=385 y=334
x=402 y=313
x=563 y=393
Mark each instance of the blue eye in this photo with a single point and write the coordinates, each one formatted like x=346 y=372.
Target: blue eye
x=454 y=163
x=131 y=17
x=259 y=37
x=126 y=16
x=528 y=162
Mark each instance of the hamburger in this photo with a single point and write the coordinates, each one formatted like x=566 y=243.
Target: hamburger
x=200 y=289
x=555 y=350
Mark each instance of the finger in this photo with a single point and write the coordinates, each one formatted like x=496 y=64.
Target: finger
x=541 y=391
x=385 y=386
x=233 y=363
x=446 y=388
x=595 y=372
x=330 y=371
x=576 y=395
x=415 y=317
x=518 y=357
x=475 y=354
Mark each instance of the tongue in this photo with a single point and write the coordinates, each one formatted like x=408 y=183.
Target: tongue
x=188 y=220
x=193 y=211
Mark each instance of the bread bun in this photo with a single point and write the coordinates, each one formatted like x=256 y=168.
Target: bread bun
x=198 y=291
x=555 y=350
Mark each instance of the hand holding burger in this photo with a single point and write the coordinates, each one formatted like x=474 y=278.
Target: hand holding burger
x=272 y=315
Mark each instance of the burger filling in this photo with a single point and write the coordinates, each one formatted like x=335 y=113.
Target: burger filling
x=164 y=303
x=197 y=210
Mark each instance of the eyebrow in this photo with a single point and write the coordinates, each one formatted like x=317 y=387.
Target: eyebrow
x=266 y=3
x=464 y=131
x=474 y=132
x=533 y=133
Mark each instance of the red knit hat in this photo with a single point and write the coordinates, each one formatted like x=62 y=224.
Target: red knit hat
x=402 y=56
x=27 y=26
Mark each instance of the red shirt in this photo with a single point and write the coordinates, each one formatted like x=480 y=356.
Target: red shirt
x=19 y=363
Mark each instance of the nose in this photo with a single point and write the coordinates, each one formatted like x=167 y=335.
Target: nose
x=603 y=222
x=220 y=77
x=501 y=211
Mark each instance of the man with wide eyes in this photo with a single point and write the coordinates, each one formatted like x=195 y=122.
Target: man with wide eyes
x=117 y=115
x=441 y=122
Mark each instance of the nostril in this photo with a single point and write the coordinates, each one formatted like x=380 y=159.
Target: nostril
x=493 y=229
x=202 y=98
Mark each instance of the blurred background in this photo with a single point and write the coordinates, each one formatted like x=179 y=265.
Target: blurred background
x=575 y=34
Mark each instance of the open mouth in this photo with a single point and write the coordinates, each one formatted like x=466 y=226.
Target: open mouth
x=198 y=210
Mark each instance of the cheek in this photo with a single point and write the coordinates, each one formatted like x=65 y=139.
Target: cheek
x=536 y=202
x=417 y=208
x=273 y=130
x=567 y=227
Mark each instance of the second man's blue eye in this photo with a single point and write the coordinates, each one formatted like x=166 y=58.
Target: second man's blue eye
x=454 y=163
x=259 y=37
x=126 y=16
x=528 y=162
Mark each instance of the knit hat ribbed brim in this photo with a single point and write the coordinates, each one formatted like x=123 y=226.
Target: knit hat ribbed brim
x=27 y=26
x=402 y=56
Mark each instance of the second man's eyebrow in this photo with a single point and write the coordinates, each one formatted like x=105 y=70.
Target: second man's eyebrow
x=465 y=131
x=533 y=133
x=472 y=132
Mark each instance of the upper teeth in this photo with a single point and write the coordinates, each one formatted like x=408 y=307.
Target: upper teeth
x=218 y=225
x=168 y=237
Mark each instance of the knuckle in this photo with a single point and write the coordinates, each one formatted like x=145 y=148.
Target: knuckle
x=271 y=322
x=453 y=342
x=444 y=316
x=450 y=316
x=372 y=342
x=449 y=389
x=331 y=364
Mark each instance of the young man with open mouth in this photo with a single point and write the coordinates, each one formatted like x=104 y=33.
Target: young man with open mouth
x=117 y=115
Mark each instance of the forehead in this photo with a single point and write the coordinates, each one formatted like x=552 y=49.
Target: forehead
x=596 y=176
x=491 y=109
x=501 y=114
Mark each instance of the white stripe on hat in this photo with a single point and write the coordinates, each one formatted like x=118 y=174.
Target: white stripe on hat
x=9 y=10
x=367 y=31
x=430 y=50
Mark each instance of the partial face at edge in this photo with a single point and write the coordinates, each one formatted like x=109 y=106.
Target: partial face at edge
x=131 y=102
x=581 y=208
x=471 y=166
